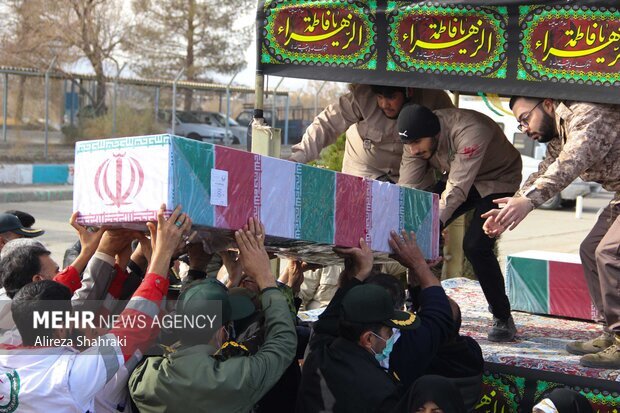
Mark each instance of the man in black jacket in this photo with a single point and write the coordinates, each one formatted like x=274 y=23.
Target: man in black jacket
x=343 y=374
x=459 y=359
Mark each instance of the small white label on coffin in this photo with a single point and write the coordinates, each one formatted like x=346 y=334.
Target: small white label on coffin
x=219 y=187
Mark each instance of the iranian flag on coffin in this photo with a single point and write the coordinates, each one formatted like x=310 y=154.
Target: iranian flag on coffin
x=120 y=180
x=548 y=283
x=125 y=180
x=416 y=211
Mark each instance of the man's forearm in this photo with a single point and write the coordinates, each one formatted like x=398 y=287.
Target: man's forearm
x=82 y=260
x=97 y=278
x=423 y=275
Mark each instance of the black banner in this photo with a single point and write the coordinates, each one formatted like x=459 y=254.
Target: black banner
x=504 y=47
x=510 y=389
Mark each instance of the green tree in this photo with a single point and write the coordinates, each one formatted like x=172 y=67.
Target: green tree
x=331 y=156
x=196 y=35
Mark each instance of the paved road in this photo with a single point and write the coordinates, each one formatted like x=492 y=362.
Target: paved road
x=557 y=231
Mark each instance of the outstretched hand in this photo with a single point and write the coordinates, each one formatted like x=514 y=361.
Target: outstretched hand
x=89 y=241
x=406 y=250
x=515 y=210
x=252 y=254
x=408 y=253
x=358 y=261
x=491 y=226
x=166 y=236
x=293 y=276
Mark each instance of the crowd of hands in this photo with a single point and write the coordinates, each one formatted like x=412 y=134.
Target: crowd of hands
x=247 y=263
x=167 y=239
x=157 y=248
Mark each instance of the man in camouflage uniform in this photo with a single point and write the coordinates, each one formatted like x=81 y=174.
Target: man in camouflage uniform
x=583 y=141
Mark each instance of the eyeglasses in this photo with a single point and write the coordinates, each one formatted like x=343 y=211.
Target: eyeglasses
x=378 y=336
x=523 y=122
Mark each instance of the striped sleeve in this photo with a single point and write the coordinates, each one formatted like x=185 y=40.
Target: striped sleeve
x=132 y=333
x=114 y=291
x=134 y=325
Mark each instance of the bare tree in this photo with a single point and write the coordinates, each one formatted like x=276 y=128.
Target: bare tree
x=28 y=42
x=94 y=29
x=196 y=35
x=67 y=29
x=101 y=28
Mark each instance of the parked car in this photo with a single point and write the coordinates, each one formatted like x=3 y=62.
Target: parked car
x=189 y=126
x=219 y=120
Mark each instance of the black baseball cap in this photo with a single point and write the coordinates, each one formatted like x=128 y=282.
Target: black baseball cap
x=25 y=218
x=416 y=122
x=10 y=223
x=369 y=303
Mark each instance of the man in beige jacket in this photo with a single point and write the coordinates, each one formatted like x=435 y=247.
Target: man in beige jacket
x=373 y=149
x=368 y=116
x=477 y=164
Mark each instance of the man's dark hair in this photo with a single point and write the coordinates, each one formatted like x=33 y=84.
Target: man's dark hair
x=25 y=218
x=352 y=331
x=45 y=295
x=392 y=285
x=18 y=268
x=514 y=99
x=387 y=90
x=456 y=316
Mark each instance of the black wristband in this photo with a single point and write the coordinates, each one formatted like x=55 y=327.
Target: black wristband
x=135 y=269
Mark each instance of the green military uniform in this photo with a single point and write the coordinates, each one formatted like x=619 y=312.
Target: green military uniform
x=192 y=380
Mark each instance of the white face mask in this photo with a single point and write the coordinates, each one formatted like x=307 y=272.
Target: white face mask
x=389 y=344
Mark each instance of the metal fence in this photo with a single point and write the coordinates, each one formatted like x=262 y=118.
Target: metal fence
x=53 y=107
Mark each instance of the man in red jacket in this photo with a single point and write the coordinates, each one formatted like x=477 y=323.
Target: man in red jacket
x=30 y=373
